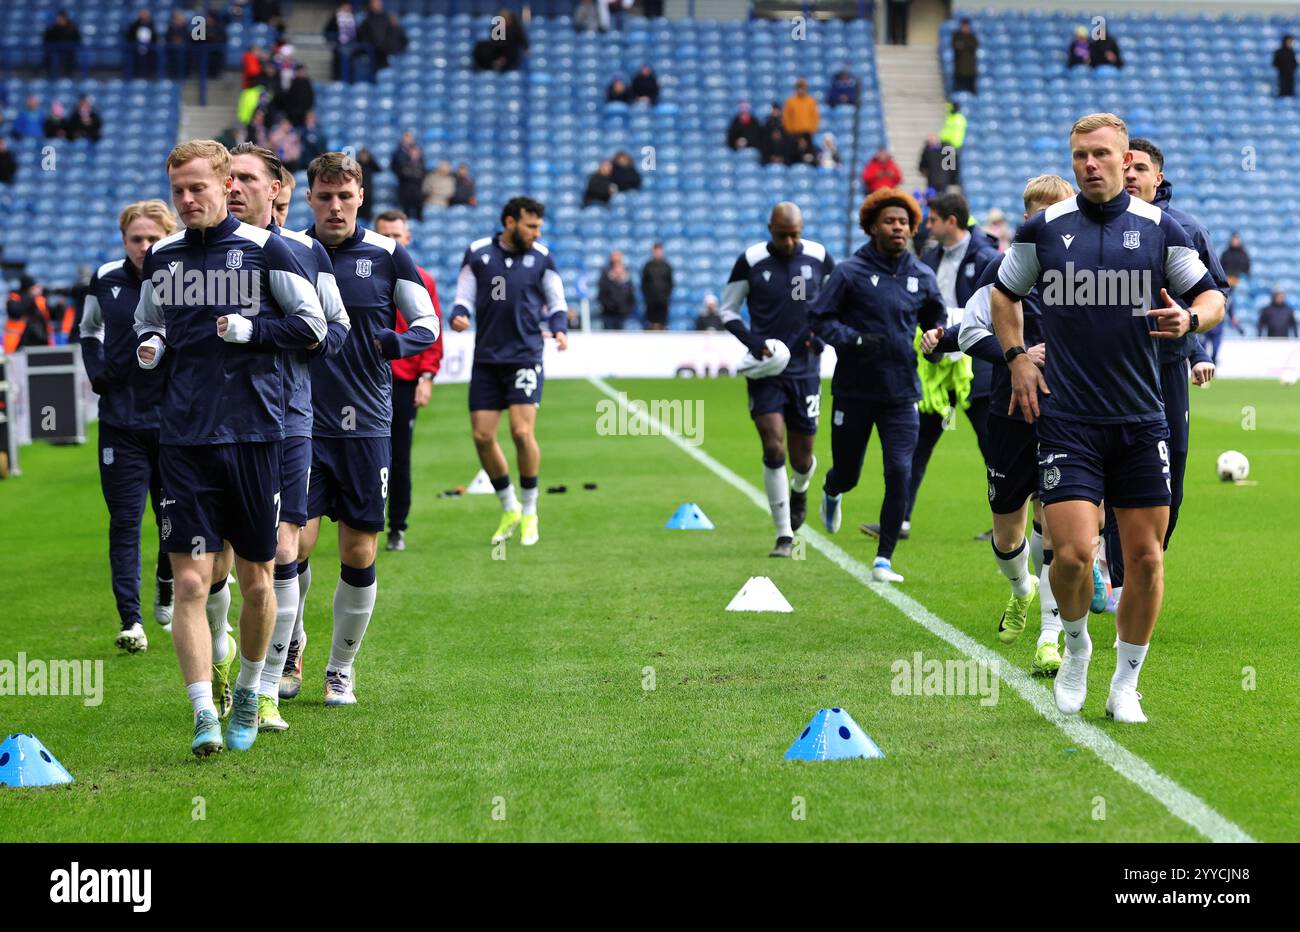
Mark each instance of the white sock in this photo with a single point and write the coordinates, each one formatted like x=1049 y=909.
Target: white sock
x=799 y=481
x=250 y=673
x=529 y=500
x=1016 y=569
x=1117 y=592
x=1036 y=552
x=353 y=606
x=304 y=585
x=201 y=697
x=1128 y=665
x=286 y=616
x=778 y=499
x=507 y=497
x=1077 y=640
x=218 y=611
x=1050 y=632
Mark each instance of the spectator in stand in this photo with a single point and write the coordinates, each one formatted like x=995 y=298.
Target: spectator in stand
x=139 y=35
x=881 y=172
x=709 y=318
x=1235 y=259
x=800 y=116
x=1284 y=61
x=211 y=48
x=844 y=89
x=383 y=33
x=176 y=43
x=657 y=288
x=85 y=122
x=586 y=18
x=829 y=155
x=27 y=308
x=504 y=46
x=615 y=294
x=369 y=168
x=296 y=102
x=896 y=21
x=1277 y=319
x=645 y=86
x=933 y=164
x=804 y=152
x=313 y=139
x=1104 y=50
x=964 y=66
x=61 y=40
x=56 y=124
x=600 y=185
x=996 y=226
x=341 y=34
x=285 y=142
x=407 y=164
x=652 y=9
x=267 y=11
x=29 y=123
x=954 y=134
x=744 y=132
x=251 y=64
x=1079 y=52
x=774 y=144
x=618 y=92
x=251 y=100
x=465 y=188
x=625 y=175
x=439 y=186
x=8 y=164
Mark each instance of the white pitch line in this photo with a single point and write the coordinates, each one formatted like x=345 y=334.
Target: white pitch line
x=1182 y=804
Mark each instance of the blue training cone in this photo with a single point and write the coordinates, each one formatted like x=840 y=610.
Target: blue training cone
x=689 y=518
x=832 y=735
x=24 y=761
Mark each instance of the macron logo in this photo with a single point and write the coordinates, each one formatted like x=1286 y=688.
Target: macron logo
x=874 y=279
x=1067 y=238
x=75 y=885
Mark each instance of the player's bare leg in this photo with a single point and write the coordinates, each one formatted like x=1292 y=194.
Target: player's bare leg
x=523 y=430
x=217 y=609
x=484 y=425
x=1011 y=553
x=193 y=641
x=1142 y=535
x=354 y=604
x=771 y=432
x=1047 y=655
x=1073 y=526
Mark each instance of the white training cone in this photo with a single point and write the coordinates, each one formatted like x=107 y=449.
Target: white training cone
x=480 y=485
x=759 y=595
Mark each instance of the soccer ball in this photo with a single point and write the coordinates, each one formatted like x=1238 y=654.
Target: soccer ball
x=1233 y=466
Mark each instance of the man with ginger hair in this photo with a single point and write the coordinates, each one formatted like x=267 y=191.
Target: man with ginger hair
x=219 y=303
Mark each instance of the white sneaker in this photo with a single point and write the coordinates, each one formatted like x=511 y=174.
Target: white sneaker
x=163 y=594
x=1071 y=686
x=1123 y=706
x=132 y=639
x=338 y=689
x=883 y=571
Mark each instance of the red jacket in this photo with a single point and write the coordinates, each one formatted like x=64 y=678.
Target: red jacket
x=876 y=176
x=411 y=368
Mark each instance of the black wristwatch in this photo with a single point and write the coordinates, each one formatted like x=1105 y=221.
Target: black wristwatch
x=1194 y=322
x=1013 y=353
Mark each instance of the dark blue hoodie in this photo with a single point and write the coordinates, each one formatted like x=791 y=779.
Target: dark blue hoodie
x=868 y=310
x=1175 y=351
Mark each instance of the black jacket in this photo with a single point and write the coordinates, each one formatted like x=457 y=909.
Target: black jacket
x=616 y=299
x=979 y=253
x=657 y=281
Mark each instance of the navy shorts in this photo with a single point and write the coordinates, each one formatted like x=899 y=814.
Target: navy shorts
x=218 y=492
x=349 y=480
x=1012 y=463
x=1125 y=464
x=495 y=386
x=295 y=474
x=797 y=397
x=1175 y=388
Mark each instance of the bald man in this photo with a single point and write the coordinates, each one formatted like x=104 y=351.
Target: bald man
x=779 y=279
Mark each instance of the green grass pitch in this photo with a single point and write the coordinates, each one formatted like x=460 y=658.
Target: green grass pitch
x=507 y=699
